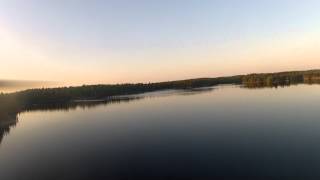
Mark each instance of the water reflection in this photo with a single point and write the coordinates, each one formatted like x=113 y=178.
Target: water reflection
x=282 y=85
x=228 y=133
x=8 y=122
x=262 y=86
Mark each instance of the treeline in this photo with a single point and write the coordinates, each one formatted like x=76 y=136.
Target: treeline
x=14 y=102
x=11 y=104
x=91 y=92
x=60 y=98
x=281 y=78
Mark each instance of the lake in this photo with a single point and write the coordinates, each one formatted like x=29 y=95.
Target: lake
x=223 y=132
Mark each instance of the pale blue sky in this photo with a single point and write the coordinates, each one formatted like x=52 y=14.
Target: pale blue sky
x=131 y=36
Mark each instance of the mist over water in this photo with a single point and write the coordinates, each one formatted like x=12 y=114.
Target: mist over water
x=9 y=86
x=224 y=132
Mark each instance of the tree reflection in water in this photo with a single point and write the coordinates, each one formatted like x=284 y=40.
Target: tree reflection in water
x=7 y=122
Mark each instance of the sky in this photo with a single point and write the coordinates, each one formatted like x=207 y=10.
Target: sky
x=117 y=41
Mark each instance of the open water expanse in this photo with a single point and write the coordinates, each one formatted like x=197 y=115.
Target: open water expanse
x=223 y=132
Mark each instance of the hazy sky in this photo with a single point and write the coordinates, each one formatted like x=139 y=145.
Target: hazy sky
x=109 y=41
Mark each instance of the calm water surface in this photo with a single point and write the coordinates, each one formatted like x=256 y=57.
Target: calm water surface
x=226 y=132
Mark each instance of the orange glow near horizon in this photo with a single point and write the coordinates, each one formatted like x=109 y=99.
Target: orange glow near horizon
x=26 y=59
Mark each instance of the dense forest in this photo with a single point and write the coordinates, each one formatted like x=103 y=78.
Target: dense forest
x=281 y=78
x=13 y=103
x=92 y=92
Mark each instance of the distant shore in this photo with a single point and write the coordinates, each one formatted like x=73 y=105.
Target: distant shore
x=13 y=103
